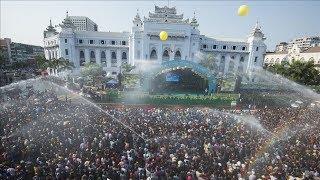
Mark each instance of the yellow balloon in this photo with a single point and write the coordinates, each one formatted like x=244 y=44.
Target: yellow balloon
x=243 y=10
x=163 y=35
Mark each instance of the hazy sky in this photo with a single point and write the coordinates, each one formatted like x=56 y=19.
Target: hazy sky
x=24 y=21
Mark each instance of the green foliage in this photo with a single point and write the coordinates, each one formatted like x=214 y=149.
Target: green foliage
x=187 y=100
x=130 y=80
x=127 y=67
x=299 y=71
x=316 y=88
x=209 y=61
x=42 y=62
x=93 y=74
x=19 y=64
x=93 y=70
x=2 y=58
x=61 y=63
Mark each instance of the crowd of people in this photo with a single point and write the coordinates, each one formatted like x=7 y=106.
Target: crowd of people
x=48 y=134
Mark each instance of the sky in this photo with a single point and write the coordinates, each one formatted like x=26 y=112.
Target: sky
x=25 y=21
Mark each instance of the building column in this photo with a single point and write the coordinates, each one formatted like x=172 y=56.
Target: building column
x=108 y=58
x=76 y=59
x=119 y=61
x=218 y=60
x=98 y=56
x=57 y=54
x=236 y=62
x=46 y=54
x=87 y=55
x=171 y=53
x=159 y=49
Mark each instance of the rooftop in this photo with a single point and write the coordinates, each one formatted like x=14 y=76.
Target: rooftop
x=312 y=50
x=228 y=39
x=278 y=52
x=104 y=34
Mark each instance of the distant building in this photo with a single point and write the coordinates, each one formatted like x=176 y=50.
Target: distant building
x=295 y=53
x=5 y=45
x=17 y=52
x=23 y=52
x=283 y=46
x=304 y=49
x=19 y=56
x=83 y=23
x=304 y=42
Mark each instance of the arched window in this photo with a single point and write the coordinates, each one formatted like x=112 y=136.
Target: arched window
x=177 y=55
x=81 y=54
x=124 y=55
x=103 y=57
x=153 y=55
x=278 y=60
x=82 y=60
x=222 y=64
x=267 y=60
x=165 y=55
x=242 y=59
x=92 y=56
x=272 y=60
x=113 y=59
x=113 y=55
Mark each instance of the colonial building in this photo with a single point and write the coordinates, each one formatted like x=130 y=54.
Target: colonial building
x=142 y=43
x=303 y=49
x=295 y=53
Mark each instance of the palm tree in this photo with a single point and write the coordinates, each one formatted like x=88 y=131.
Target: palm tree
x=42 y=62
x=54 y=63
x=65 y=64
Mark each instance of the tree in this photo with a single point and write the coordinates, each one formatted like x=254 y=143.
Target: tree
x=299 y=71
x=209 y=61
x=65 y=64
x=42 y=62
x=2 y=58
x=129 y=80
x=54 y=63
x=127 y=67
x=93 y=72
x=60 y=63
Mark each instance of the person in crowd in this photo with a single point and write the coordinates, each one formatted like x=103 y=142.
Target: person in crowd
x=44 y=136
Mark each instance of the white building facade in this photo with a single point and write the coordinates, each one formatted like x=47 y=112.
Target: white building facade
x=142 y=43
x=295 y=53
x=304 y=42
